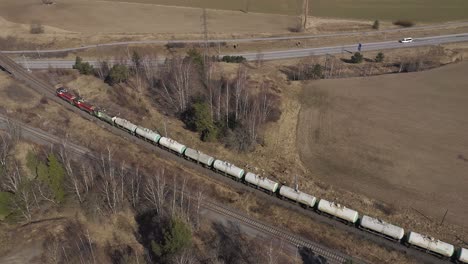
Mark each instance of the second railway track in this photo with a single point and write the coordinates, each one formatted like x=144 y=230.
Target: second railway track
x=331 y=256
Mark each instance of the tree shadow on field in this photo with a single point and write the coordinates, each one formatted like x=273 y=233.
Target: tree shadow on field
x=346 y=60
x=309 y=257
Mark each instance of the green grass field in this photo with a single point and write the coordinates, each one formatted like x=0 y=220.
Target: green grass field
x=417 y=10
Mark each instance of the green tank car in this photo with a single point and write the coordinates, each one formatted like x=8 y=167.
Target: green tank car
x=103 y=116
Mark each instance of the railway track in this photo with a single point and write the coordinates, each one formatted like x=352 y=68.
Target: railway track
x=331 y=256
x=47 y=90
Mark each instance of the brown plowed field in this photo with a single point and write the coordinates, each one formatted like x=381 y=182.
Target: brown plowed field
x=401 y=138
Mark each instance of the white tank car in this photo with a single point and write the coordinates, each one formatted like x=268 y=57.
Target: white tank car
x=172 y=145
x=338 y=210
x=228 y=168
x=431 y=244
x=199 y=156
x=125 y=124
x=298 y=196
x=148 y=134
x=382 y=227
x=262 y=182
x=463 y=256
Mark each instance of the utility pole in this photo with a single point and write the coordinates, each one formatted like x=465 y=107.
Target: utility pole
x=306 y=13
x=205 y=36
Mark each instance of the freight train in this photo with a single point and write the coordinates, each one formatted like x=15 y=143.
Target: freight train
x=307 y=201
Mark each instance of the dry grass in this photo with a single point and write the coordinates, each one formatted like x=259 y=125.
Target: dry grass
x=20 y=153
x=89 y=16
x=358 y=9
x=396 y=138
x=51 y=119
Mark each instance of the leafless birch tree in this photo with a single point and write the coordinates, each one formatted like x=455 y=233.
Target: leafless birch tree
x=155 y=191
x=176 y=84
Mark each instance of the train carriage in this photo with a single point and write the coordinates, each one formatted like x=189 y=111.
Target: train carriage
x=103 y=116
x=66 y=95
x=147 y=134
x=261 y=182
x=125 y=124
x=87 y=107
x=339 y=211
x=462 y=255
x=383 y=228
x=430 y=244
x=199 y=157
x=302 y=198
x=172 y=145
x=229 y=169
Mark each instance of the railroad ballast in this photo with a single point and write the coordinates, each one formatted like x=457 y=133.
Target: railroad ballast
x=226 y=168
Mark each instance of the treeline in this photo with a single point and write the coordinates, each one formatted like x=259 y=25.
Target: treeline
x=101 y=187
x=116 y=74
x=195 y=89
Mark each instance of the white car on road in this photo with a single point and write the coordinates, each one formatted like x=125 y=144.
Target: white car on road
x=406 y=40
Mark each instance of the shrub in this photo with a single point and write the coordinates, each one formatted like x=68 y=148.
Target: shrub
x=233 y=59
x=376 y=24
x=195 y=56
x=297 y=28
x=403 y=23
x=198 y=118
x=357 y=58
x=118 y=73
x=83 y=67
x=175 y=238
x=175 y=45
x=316 y=72
x=380 y=57
x=53 y=175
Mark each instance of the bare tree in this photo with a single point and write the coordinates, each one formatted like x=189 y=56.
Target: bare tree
x=155 y=191
x=111 y=184
x=239 y=88
x=102 y=68
x=135 y=185
x=76 y=180
x=12 y=179
x=44 y=191
x=150 y=70
x=6 y=145
x=187 y=256
x=174 y=192
x=177 y=86
x=8 y=141
x=25 y=199
x=199 y=201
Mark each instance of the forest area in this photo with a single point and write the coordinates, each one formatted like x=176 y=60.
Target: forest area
x=157 y=213
x=229 y=108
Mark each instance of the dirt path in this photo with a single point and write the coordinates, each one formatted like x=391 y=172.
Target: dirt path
x=397 y=138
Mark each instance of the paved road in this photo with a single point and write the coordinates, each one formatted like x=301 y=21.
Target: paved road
x=280 y=54
x=243 y=40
